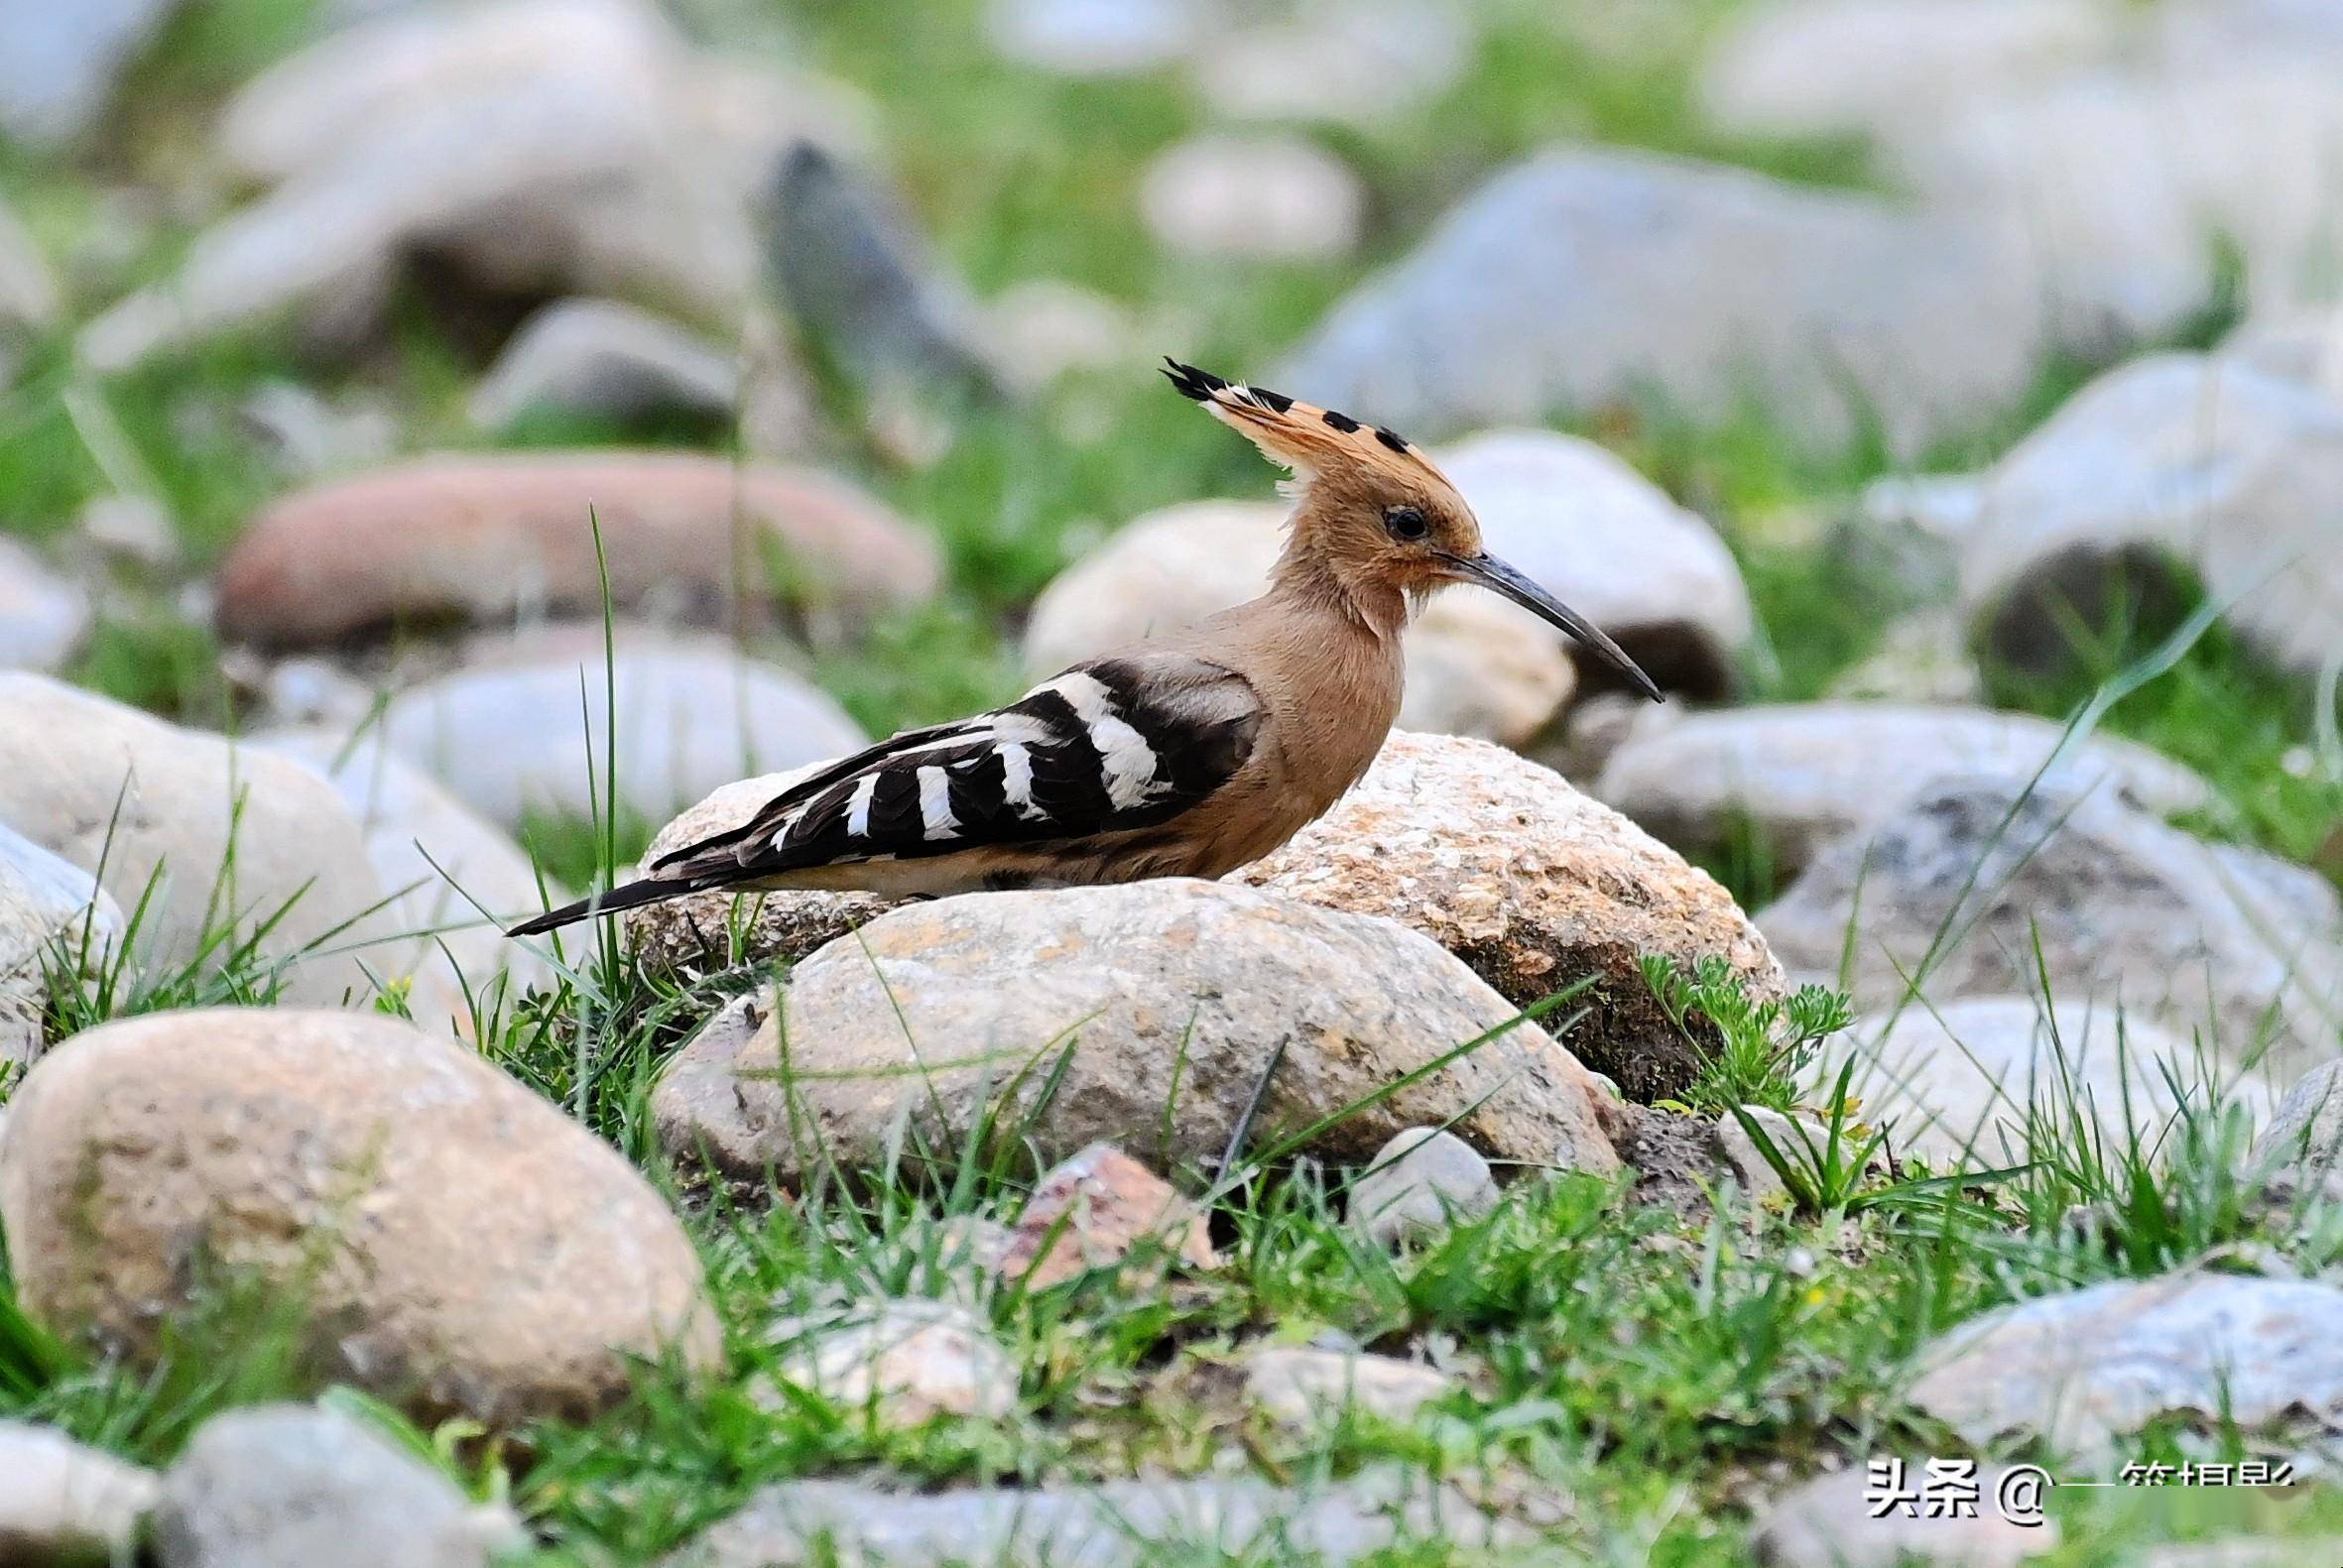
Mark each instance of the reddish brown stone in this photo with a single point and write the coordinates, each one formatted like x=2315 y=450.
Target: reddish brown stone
x=477 y=536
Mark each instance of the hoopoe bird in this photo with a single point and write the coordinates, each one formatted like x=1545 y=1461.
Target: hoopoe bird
x=1185 y=755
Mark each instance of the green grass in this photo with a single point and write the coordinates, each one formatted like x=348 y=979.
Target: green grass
x=1658 y=1373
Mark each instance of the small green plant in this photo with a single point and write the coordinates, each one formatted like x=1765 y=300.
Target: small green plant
x=1754 y=1051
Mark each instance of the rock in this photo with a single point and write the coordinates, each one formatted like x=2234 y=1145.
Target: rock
x=45 y=904
x=484 y=537
x=29 y=298
x=1167 y=991
x=1955 y=1084
x=862 y=284
x=1824 y=68
x=1117 y=1524
x=2180 y=457
x=454 y=880
x=1358 y=63
x=1534 y=886
x=1831 y=1521
x=58 y=64
x=1253 y=198
x=510 y=732
x=1417 y=1183
x=1093 y=38
x=136 y=527
x=1612 y=546
x=713 y=930
x=1044 y=329
x=1301 y=1387
x=2202 y=938
x=1476 y=665
x=1096 y=1210
x=285 y=1486
x=702 y=1110
x=906 y=1363
x=309 y=435
x=214 y=832
x=532 y=147
x=460 y=1245
x=1746 y=1163
x=1804 y=773
x=1922 y=656
x=1587 y=281
x=43 y=616
x=2078 y=1370
x=63 y=1503
x=2302 y=1145
x=608 y=361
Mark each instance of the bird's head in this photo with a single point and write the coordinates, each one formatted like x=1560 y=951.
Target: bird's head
x=1374 y=521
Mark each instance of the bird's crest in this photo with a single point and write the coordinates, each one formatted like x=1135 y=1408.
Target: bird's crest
x=1298 y=436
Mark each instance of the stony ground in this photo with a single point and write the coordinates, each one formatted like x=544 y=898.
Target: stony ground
x=441 y=448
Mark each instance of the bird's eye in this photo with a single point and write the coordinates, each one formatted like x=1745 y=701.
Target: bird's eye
x=1404 y=523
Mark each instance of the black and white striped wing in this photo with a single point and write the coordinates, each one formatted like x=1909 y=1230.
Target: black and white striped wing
x=1116 y=744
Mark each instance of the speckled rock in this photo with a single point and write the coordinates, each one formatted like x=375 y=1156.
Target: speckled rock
x=1532 y=885
x=440 y=864
x=1476 y=665
x=463 y=1247
x=2079 y=1371
x=712 y=929
x=508 y=732
x=1253 y=198
x=1612 y=546
x=43 y=616
x=1300 y=1386
x=903 y=1361
x=1831 y=1522
x=481 y=537
x=1096 y=1211
x=62 y=1503
x=934 y=1010
x=2181 y=458
x=606 y=360
x=47 y=904
x=102 y=785
x=1954 y=1084
x=1119 y=1525
x=1418 y=1184
x=2200 y=937
x=1806 y=772
x=285 y=1486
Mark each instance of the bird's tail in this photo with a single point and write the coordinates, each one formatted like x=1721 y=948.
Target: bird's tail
x=648 y=889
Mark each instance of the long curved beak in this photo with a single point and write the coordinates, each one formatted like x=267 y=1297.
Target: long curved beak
x=1496 y=577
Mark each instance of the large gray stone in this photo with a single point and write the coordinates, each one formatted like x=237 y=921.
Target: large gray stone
x=2080 y=1369
x=2187 y=459
x=2201 y=938
x=64 y=1506
x=454 y=1241
x=1168 y=994
x=217 y=831
x=1804 y=773
x=1534 y=886
x=1960 y=1084
x=1476 y=665
x=49 y=910
x=1120 y=1524
x=1585 y=280
x=510 y=733
x=285 y=1486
